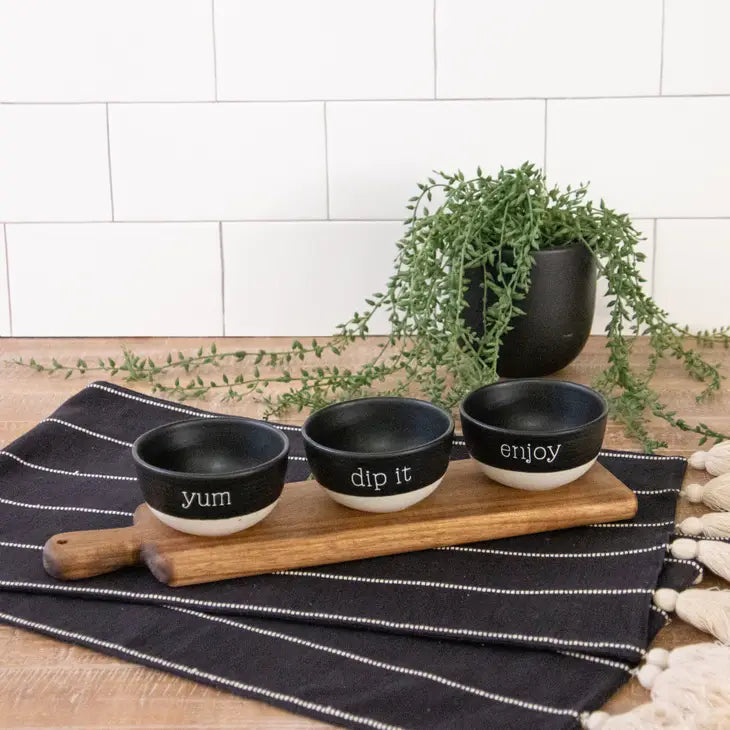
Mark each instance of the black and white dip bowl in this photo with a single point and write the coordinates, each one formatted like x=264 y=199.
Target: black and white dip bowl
x=379 y=454
x=211 y=476
x=534 y=434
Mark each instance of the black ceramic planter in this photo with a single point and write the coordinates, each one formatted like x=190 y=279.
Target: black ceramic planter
x=558 y=313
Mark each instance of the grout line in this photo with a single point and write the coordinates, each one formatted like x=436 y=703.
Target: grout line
x=326 y=160
x=223 y=276
x=182 y=221
x=374 y=100
x=109 y=159
x=661 y=50
x=435 y=61
x=7 y=279
x=544 y=141
x=215 y=51
x=653 y=259
x=211 y=220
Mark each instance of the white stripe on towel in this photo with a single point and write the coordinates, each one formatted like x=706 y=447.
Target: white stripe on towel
x=518 y=554
x=355 y=620
x=61 y=508
x=598 y=660
x=384 y=665
x=170 y=406
x=468 y=588
x=24 y=545
x=197 y=673
x=63 y=472
x=86 y=431
x=634 y=524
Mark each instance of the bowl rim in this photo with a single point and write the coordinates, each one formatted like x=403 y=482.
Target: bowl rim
x=209 y=476
x=550 y=382
x=379 y=454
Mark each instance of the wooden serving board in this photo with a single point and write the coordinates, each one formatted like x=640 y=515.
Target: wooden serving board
x=307 y=528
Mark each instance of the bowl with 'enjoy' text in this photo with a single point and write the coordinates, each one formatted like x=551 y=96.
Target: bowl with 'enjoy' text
x=534 y=433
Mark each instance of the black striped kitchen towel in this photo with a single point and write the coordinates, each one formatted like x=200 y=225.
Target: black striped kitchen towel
x=521 y=632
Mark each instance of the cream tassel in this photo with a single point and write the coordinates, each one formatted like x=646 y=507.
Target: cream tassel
x=715 y=493
x=716 y=461
x=689 y=691
x=712 y=524
x=707 y=610
x=711 y=553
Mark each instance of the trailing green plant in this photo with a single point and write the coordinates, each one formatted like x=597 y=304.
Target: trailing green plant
x=457 y=226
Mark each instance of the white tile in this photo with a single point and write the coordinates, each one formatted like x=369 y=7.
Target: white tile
x=115 y=50
x=691 y=271
x=651 y=158
x=602 y=317
x=303 y=279
x=696 y=49
x=4 y=304
x=324 y=49
x=53 y=163
x=493 y=48
x=115 y=279
x=218 y=161
x=379 y=151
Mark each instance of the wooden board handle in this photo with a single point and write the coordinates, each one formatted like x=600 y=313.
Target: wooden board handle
x=83 y=554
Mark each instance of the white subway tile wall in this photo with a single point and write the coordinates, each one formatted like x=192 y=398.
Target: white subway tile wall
x=305 y=276
x=558 y=48
x=115 y=278
x=4 y=292
x=131 y=129
x=106 y=50
x=324 y=49
x=53 y=163
x=652 y=158
x=377 y=151
x=691 y=271
x=186 y=162
x=696 y=48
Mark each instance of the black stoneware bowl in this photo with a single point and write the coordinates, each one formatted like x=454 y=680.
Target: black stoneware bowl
x=379 y=454
x=211 y=476
x=534 y=434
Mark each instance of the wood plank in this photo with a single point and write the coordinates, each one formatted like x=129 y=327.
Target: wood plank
x=33 y=666
x=307 y=528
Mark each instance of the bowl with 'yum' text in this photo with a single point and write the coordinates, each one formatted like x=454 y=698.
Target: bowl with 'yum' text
x=211 y=476
x=534 y=434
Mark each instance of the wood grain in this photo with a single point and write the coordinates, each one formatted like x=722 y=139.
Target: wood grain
x=86 y=553
x=308 y=528
x=84 y=689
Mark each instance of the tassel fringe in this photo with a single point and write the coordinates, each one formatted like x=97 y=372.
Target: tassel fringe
x=716 y=461
x=714 y=555
x=707 y=610
x=689 y=691
x=713 y=524
x=715 y=493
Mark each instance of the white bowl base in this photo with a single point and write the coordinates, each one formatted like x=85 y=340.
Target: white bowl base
x=213 y=528
x=535 y=481
x=389 y=503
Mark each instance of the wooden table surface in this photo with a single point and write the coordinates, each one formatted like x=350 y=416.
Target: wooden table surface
x=45 y=683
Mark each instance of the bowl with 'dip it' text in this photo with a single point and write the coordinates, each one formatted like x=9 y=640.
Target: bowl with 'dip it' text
x=534 y=434
x=211 y=476
x=379 y=454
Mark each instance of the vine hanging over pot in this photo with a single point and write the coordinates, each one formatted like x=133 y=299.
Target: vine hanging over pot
x=458 y=225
